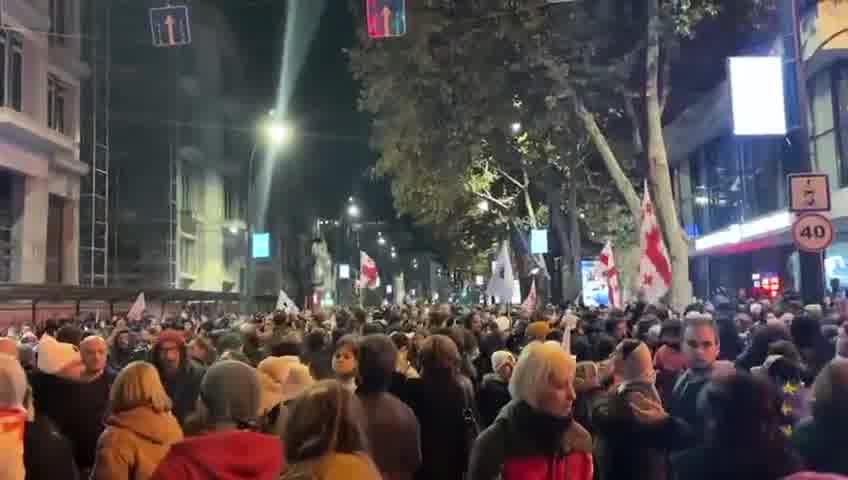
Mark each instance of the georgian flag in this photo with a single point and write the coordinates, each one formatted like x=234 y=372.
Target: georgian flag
x=529 y=304
x=368 y=274
x=654 y=263
x=607 y=268
x=137 y=309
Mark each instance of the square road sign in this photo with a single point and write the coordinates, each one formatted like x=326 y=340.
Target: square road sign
x=170 y=26
x=809 y=192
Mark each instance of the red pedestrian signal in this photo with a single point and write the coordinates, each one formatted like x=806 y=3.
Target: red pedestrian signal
x=386 y=18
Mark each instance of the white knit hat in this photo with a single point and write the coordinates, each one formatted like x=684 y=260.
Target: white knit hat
x=55 y=356
x=500 y=358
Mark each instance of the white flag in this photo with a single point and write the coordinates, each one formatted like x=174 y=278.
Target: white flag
x=138 y=308
x=501 y=283
x=286 y=304
x=607 y=268
x=654 y=264
x=529 y=304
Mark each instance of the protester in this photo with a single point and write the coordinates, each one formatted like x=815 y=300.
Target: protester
x=9 y=347
x=345 y=362
x=180 y=375
x=635 y=432
x=701 y=347
x=443 y=402
x=743 y=437
x=406 y=355
x=47 y=453
x=390 y=424
x=229 y=445
x=140 y=428
x=815 y=349
x=202 y=351
x=326 y=439
x=120 y=349
x=535 y=436
x=494 y=390
x=13 y=390
x=820 y=439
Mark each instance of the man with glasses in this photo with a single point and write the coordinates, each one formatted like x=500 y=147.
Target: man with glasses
x=701 y=348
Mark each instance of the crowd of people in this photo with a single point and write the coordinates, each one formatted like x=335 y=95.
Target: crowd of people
x=734 y=388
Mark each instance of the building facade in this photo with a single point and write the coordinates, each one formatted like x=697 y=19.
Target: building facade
x=181 y=143
x=732 y=190
x=41 y=72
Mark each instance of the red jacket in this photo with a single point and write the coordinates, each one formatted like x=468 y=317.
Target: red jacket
x=230 y=455
x=524 y=444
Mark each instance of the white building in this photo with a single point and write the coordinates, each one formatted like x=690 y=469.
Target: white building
x=40 y=167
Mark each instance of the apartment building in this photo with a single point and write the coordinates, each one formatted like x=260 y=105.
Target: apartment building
x=40 y=168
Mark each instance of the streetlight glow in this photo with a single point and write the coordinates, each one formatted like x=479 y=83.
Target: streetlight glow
x=353 y=211
x=381 y=240
x=483 y=205
x=515 y=127
x=280 y=133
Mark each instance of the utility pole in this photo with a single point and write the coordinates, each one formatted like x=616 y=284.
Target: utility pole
x=811 y=264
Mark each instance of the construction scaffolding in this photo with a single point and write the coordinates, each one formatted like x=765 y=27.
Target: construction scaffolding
x=94 y=145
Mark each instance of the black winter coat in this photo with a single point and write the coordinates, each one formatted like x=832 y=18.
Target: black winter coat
x=47 y=453
x=492 y=397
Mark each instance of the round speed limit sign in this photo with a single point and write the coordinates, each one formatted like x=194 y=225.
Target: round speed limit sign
x=812 y=232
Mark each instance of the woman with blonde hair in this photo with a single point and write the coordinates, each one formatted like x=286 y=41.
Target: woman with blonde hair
x=140 y=429
x=325 y=438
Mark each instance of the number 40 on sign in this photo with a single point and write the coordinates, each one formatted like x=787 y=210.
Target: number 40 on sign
x=812 y=232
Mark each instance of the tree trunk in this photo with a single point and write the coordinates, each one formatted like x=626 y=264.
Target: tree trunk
x=575 y=240
x=658 y=171
x=619 y=178
x=553 y=197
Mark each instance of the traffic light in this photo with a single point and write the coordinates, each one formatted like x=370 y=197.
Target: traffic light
x=386 y=18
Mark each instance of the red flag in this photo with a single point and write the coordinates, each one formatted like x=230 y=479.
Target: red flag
x=368 y=274
x=529 y=304
x=610 y=273
x=654 y=263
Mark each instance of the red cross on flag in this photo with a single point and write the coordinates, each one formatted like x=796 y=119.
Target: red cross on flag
x=606 y=264
x=368 y=276
x=654 y=263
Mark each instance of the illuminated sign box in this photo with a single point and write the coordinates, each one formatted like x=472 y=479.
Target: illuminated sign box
x=539 y=241
x=261 y=245
x=757 y=95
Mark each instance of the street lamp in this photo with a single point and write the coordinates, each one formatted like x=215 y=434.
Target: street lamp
x=483 y=205
x=381 y=240
x=515 y=127
x=275 y=133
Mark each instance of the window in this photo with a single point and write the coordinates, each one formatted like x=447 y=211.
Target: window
x=57 y=94
x=231 y=203
x=840 y=102
x=187 y=259
x=58 y=21
x=186 y=191
x=11 y=70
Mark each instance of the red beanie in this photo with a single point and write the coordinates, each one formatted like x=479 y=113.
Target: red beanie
x=175 y=336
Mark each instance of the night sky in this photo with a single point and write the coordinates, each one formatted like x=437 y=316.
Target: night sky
x=331 y=161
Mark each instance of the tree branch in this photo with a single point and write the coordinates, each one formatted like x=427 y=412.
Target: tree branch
x=619 y=178
x=509 y=177
x=630 y=109
x=490 y=198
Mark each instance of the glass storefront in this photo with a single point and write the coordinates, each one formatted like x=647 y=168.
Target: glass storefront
x=733 y=180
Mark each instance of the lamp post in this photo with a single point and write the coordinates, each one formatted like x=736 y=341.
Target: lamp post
x=273 y=133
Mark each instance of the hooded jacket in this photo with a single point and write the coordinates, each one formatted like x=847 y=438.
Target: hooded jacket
x=524 y=443
x=335 y=466
x=492 y=397
x=134 y=443
x=628 y=448
x=184 y=387
x=226 y=455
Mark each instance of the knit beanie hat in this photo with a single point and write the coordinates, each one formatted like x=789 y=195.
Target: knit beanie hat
x=502 y=323
x=171 y=335
x=54 y=356
x=231 y=392
x=500 y=358
x=538 y=330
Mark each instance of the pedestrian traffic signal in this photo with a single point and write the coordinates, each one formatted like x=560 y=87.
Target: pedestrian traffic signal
x=386 y=18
